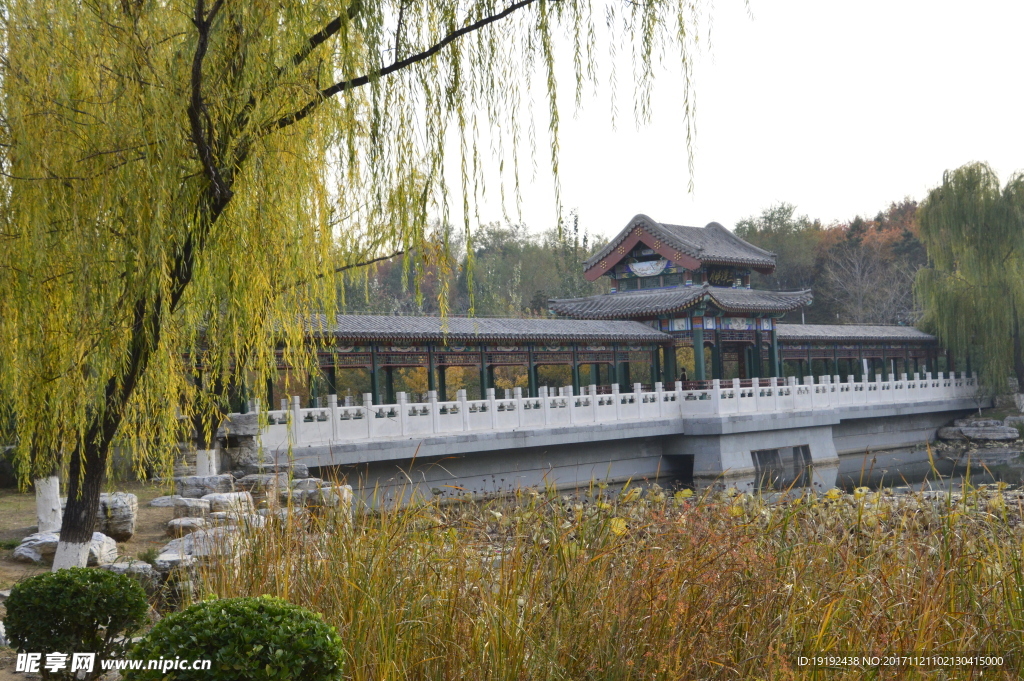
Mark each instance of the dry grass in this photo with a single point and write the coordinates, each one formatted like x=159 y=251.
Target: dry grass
x=652 y=585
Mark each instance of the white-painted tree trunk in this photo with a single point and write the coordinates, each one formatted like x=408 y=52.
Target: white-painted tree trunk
x=207 y=462
x=48 y=511
x=71 y=555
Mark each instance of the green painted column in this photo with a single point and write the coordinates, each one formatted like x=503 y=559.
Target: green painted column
x=613 y=368
x=331 y=375
x=431 y=368
x=575 y=371
x=442 y=392
x=374 y=375
x=625 y=385
x=531 y=371
x=483 y=372
x=698 y=355
x=773 y=354
x=716 y=356
x=270 y=394
x=655 y=365
x=389 y=384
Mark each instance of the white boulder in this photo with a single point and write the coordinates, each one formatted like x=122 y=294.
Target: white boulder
x=179 y=527
x=239 y=502
x=185 y=507
x=41 y=547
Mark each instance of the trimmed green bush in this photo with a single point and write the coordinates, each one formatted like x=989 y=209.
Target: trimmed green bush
x=244 y=638
x=77 y=610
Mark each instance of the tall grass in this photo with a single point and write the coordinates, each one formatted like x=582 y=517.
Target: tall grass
x=652 y=585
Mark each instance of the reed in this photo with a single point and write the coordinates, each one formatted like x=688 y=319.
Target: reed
x=651 y=585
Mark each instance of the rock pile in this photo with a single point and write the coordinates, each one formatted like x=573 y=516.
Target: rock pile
x=982 y=430
x=41 y=547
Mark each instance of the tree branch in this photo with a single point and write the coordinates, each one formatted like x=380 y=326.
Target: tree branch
x=343 y=268
x=397 y=65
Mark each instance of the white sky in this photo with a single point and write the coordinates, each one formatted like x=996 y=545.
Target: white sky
x=837 y=107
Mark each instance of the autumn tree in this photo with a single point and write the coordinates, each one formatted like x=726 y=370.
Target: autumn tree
x=180 y=179
x=973 y=289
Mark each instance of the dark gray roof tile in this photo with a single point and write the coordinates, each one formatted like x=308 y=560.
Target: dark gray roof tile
x=712 y=244
x=852 y=332
x=480 y=329
x=641 y=304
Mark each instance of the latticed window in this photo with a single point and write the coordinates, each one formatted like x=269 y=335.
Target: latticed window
x=650 y=282
x=630 y=284
x=672 y=279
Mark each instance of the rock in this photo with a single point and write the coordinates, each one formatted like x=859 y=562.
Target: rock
x=160 y=502
x=976 y=423
x=999 y=432
x=143 y=572
x=218 y=518
x=5 y=594
x=282 y=514
x=296 y=471
x=331 y=497
x=117 y=516
x=264 y=482
x=41 y=547
x=216 y=541
x=1012 y=421
x=1018 y=400
x=948 y=433
x=166 y=562
x=240 y=425
x=179 y=527
x=195 y=486
x=135 y=568
x=307 y=484
x=191 y=508
x=239 y=502
x=3 y=636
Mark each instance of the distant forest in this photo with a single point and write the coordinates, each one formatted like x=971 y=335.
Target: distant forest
x=861 y=271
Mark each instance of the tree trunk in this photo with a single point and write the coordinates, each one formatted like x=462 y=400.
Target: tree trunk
x=48 y=512
x=1018 y=352
x=83 y=501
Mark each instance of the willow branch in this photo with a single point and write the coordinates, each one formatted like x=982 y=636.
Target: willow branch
x=398 y=65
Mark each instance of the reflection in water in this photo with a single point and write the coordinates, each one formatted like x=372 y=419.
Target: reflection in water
x=946 y=467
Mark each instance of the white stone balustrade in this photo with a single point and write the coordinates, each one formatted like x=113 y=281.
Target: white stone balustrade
x=340 y=424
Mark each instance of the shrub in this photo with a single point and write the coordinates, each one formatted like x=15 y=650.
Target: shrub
x=244 y=638
x=80 y=610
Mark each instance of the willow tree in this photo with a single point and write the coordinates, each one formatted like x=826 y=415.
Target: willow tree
x=973 y=289
x=182 y=178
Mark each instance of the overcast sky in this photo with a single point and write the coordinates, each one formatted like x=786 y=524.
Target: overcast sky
x=837 y=107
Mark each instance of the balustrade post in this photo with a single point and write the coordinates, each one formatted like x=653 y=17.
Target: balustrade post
x=615 y=400
x=402 y=399
x=773 y=384
x=545 y=402
x=296 y=419
x=284 y=404
x=371 y=428
x=492 y=407
x=332 y=408
x=716 y=395
x=435 y=414
x=463 y=408
x=517 y=395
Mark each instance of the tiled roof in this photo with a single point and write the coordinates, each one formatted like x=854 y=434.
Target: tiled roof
x=640 y=304
x=477 y=329
x=851 y=332
x=712 y=244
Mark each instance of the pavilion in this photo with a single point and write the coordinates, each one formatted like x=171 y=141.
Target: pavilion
x=693 y=283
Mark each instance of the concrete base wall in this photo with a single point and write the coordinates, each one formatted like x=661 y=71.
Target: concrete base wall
x=703 y=450
x=569 y=466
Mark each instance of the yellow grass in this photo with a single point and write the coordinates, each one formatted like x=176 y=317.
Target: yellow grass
x=666 y=586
